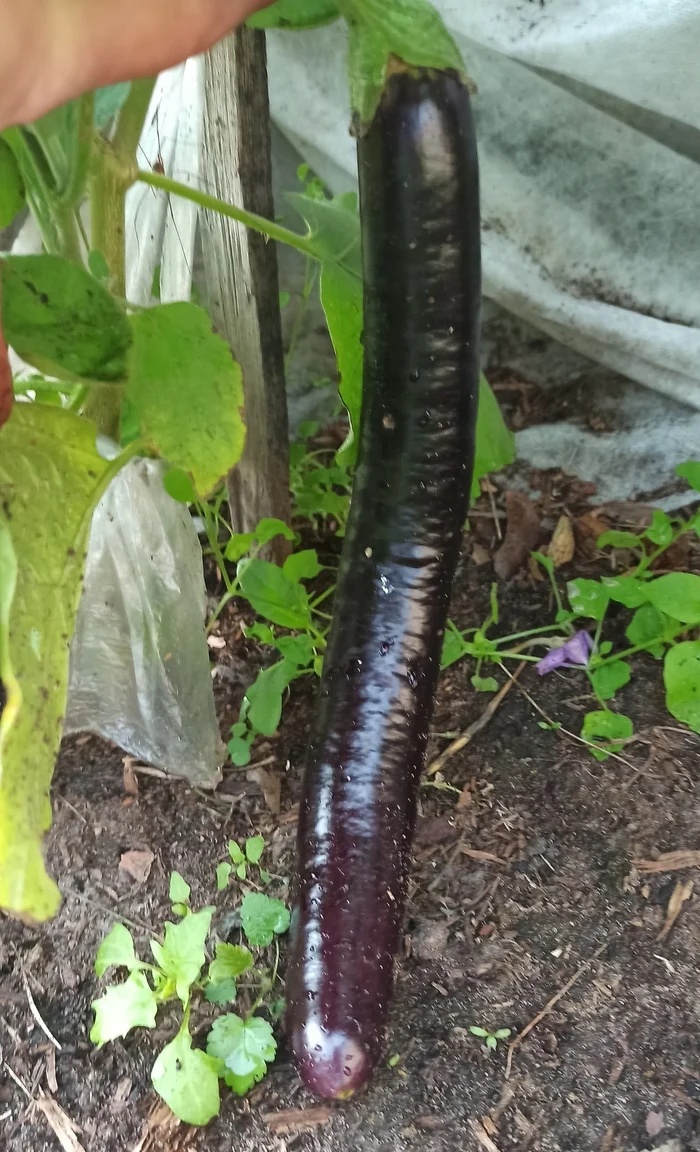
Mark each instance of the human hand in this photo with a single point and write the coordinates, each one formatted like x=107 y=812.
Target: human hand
x=53 y=50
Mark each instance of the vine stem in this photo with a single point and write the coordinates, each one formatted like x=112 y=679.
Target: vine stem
x=268 y=228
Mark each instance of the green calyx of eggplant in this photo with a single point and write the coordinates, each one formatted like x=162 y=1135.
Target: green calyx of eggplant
x=383 y=38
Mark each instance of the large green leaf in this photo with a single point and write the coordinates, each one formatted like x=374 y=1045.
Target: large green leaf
x=11 y=185
x=678 y=595
x=411 y=30
x=61 y=142
x=186 y=391
x=50 y=480
x=682 y=681
x=273 y=595
x=59 y=319
x=295 y=14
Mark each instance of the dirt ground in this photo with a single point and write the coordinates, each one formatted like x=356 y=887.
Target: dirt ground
x=523 y=889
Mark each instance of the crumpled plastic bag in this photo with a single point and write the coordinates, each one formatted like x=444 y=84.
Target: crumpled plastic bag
x=139 y=667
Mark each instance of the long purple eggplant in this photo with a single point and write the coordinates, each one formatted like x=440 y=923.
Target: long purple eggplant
x=419 y=207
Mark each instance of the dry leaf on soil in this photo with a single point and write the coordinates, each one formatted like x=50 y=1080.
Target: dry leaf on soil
x=522 y=535
x=681 y=893
x=137 y=864
x=561 y=546
x=654 y=1123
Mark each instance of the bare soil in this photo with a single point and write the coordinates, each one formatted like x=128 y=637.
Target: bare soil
x=521 y=882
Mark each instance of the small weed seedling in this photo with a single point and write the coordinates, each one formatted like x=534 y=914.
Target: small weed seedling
x=239 y=1046
x=664 y=624
x=491 y=1039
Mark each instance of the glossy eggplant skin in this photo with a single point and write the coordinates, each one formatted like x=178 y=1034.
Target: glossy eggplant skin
x=419 y=207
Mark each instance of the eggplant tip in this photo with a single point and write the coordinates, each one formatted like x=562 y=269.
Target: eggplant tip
x=332 y=1065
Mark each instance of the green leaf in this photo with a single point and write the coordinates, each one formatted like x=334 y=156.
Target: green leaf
x=254 y=848
x=588 y=598
x=123 y=1007
x=178 y=484
x=239 y=751
x=660 y=531
x=242 y=871
x=619 y=540
x=223 y=992
x=295 y=14
x=268 y=528
x=181 y=957
x=262 y=918
x=263 y=700
x=481 y=1032
x=453 y=648
x=98 y=267
x=117 y=951
x=65 y=139
x=223 y=872
x=302 y=565
x=502 y=1033
x=108 y=102
x=678 y=595
x=272 y=595
x=607 y=679
x=243 y=1046
x=58 y=318
x=179 y=889
x=626 y=590
x=236 y=852
x=495 y=444
x=690 y=471
x=186 y=390
x=484 y=684
x=11 y=186
x=682 y=682
x=298 y=649
x=610 y=727
x=647 y=627
x=334 y=229
x=262 y=632
x=187 y=1080
x=411 y=30
x=238 y=545
x=48 y=462
x=230 y=962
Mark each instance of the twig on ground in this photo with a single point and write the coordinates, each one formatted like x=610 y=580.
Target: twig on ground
x=481 y=722
x=551 y=1004
x=671 y=861
x=482 y=1136
x=33 y=1008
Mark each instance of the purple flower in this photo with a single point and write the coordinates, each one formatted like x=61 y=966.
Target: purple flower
x=573 y=651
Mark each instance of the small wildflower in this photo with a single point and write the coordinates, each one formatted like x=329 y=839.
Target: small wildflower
x=574 y=651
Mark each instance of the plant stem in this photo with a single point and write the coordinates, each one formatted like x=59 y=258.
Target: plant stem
x=250 y=219
x=522 y=635
x=131 y=120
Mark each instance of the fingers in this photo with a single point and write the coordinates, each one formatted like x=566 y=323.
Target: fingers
x=54 y=51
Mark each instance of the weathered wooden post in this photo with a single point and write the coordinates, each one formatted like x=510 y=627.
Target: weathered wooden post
x=241 y=271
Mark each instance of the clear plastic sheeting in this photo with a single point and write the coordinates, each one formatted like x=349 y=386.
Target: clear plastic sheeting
x=140 y=673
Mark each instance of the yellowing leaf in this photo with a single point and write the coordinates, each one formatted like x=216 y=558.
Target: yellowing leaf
x=50 y=479
x=123 y=1007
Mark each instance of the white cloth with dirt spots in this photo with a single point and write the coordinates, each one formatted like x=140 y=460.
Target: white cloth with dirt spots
x=588 y=118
